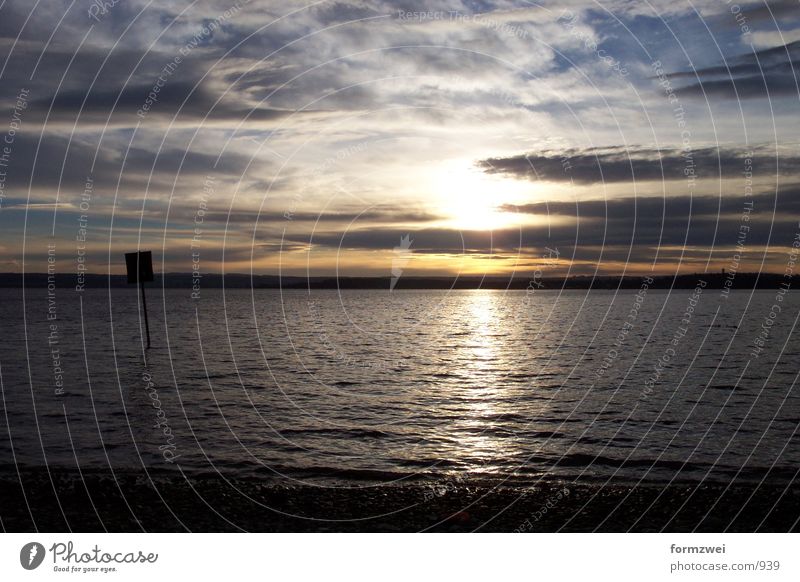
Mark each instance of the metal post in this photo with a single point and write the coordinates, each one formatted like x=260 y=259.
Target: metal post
x=139 y=266
x=144 y=307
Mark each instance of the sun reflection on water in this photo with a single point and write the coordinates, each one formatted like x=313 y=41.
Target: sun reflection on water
x=481 y=352
x=483 y=341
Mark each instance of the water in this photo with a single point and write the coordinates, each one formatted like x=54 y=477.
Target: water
x=356 y=387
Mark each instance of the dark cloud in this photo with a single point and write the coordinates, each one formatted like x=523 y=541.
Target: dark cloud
x=767 y=72
x=768 y=11
x=336 y=12
x=614 y=228
x=625 y=164
x=651 y=211
x=744 y=87
x=385 y=215
x=176 y=101
x=18 y=21
x=95 y=85
x=60 y=162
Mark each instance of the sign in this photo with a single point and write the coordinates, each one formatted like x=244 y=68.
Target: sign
x=140 y=266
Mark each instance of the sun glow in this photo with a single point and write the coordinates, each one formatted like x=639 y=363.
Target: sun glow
x=472 y=200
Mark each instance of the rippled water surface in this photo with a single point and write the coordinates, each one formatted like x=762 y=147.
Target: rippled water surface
x=355 y=387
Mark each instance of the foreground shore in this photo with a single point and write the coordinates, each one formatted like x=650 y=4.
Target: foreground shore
x=67 y=501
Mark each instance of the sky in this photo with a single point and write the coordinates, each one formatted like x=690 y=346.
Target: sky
x=363 y=137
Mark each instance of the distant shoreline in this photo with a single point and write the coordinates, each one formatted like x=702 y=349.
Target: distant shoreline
x=717 y=280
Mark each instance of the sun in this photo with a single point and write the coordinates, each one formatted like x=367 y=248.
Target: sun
x=472 y=200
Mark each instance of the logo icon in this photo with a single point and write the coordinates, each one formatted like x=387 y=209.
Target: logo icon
x=31 y=555
x=401 y=256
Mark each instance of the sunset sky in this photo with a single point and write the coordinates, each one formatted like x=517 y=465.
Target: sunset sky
x=291 y=137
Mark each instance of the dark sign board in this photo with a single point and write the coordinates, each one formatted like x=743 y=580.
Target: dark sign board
x=140 y=266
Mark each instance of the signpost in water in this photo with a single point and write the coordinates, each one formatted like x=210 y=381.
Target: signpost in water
x=140 y=270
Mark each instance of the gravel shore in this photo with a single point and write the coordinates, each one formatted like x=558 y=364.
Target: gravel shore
x=67 y=501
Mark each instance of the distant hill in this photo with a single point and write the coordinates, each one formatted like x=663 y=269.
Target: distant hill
x=245 y=281
x=168 y=280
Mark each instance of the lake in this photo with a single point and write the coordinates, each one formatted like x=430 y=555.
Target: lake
x=354 y=388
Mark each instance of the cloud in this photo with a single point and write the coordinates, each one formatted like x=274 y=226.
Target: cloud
x=384 y=215
x=639 y=163
x=312 y=82
x=768 y=11
x=65 y=163
x=178 y=101
x=767 y=72
x=634 y=230
x=654 y=210
x=773 y=38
